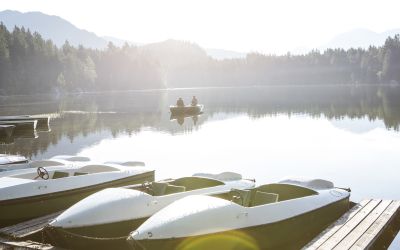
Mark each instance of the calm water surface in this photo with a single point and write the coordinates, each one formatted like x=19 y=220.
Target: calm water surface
x=349 y=135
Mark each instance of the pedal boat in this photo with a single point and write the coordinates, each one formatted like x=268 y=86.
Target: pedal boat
x=266 y=217
x=58 y=162
x=27 y=195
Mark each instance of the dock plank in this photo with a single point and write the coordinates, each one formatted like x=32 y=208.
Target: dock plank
x=28 y=245
x=367 y=239
x=363 y=226
x=349 y=226
x=327 y=233
x=27 y=228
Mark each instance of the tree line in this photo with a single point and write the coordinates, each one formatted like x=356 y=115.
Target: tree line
x=30 y=64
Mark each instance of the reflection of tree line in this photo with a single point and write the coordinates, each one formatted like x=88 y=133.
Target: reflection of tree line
x=373 y=102
x=129 y=113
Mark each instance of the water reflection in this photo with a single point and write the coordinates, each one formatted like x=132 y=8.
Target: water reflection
x=128 y=113
x=180 y=119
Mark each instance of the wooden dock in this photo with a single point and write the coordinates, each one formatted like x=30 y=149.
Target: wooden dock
x=370 y=224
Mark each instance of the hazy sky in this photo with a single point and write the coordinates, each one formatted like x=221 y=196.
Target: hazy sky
x=246 y=25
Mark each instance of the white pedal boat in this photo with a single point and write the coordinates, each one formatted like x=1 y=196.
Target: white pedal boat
x=27 y=195
x=58 y=162
x=114 y=212
x=269 y=216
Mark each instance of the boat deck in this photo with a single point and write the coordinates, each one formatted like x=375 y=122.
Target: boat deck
x=372 y=223
x=369 y=224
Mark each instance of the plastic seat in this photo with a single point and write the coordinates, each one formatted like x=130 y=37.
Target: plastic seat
x=262 y=198
x=171 y=189
x=59 y=174
x=158 y=188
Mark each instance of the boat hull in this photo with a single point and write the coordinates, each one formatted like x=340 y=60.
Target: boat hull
x=22 y=209
x=301 y=230
x=104 y=236
x=186 y=110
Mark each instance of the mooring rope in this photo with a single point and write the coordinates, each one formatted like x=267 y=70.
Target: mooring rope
x=91 y=237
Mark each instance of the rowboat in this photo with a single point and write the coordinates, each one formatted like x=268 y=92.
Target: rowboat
x=6 y=159
x=21 y=124
x=28 y=195
x=6 y=130
x=177 y=110
x=114 y=212
x=258 y=218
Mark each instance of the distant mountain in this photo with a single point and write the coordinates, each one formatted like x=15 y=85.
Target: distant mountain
x=359 y=38
x=52 y=27
x=59 y=30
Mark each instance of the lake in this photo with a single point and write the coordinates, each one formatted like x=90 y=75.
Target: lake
x=346 y=134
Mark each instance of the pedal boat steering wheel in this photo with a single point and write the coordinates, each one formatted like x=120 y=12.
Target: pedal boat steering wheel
x=42 y=173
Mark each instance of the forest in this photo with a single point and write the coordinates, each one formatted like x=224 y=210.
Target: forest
x=30 y=64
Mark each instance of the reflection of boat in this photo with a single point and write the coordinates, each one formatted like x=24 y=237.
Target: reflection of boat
x=6 y=130
x=115 y=212
x=261 y=218
x=6 y=140
x=186 y=109
x=21 y=124
x=42 y=120
x=180 y=118
x=25 y=133
x=29 y=195
x=12 y=159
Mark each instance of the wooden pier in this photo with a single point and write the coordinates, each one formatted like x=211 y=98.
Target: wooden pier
x=369 y=224
x=26 y=235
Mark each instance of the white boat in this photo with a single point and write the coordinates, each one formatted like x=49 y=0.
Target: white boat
x=56 y=163
x=114 y=212
x=267 y=217
x=27 y=195
x=6 y=159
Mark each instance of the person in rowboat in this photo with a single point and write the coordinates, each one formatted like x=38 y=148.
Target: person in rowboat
x=179 y=102
x=194 y=101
